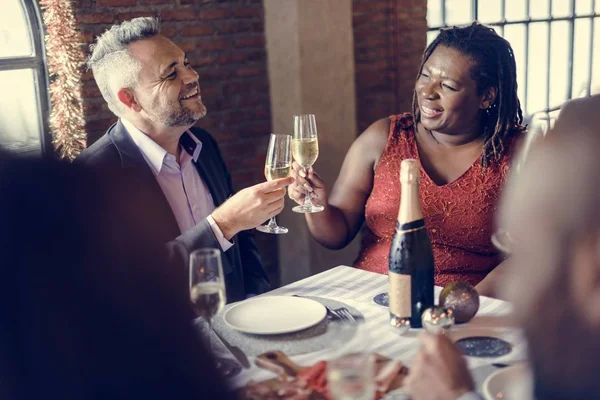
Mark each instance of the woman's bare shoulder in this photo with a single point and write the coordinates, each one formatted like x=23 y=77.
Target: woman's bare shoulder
x=372 y=141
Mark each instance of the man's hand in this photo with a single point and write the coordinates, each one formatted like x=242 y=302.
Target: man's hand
x=250 y=207
x=305 y=184
x=440 y=371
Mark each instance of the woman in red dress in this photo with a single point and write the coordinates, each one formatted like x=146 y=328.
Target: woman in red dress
x=465 y=121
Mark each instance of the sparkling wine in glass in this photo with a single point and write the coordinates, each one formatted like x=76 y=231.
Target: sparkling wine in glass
x=305 y=149
x=207 y=293
x=277 y=165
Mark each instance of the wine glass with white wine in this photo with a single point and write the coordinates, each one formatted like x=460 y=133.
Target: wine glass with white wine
x=277 y=165
x=207 y=292
x=305 y=149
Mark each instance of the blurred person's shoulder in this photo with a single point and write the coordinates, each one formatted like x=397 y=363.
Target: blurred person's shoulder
x=583 y=112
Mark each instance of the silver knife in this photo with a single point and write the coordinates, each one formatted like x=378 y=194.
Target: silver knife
x=235 y=351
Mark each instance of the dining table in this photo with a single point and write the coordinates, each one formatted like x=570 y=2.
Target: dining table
x=357 y=288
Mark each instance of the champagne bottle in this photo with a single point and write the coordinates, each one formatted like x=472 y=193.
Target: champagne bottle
x=411 y=258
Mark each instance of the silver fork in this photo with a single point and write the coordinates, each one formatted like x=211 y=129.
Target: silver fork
x=340 y=313
x=345 y=315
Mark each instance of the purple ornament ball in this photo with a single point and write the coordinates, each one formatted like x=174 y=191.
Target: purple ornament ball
x=462 y=298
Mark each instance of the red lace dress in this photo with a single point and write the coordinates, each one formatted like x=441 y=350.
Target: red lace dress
x=458 y=215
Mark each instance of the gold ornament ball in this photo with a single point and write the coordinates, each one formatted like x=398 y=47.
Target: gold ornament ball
x=462 y=298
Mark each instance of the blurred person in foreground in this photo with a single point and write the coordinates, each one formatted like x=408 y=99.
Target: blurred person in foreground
x=149 y=83
x=465 y=121
x=553 y=278
x=88 y=307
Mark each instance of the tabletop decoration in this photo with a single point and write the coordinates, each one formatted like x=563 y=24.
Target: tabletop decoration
x=401 y=325
x=437 y=319
x=484 y=346
x=382 y=299
x=462 y=298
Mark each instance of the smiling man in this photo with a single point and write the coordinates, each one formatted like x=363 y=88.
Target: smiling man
x=149 y=84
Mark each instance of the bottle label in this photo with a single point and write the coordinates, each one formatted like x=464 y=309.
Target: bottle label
x=411 y=226
x=399 y=294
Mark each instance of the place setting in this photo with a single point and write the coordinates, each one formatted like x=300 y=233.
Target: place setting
x=291 y=336
x=292 y=324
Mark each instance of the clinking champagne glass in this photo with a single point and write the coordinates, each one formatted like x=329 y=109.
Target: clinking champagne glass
x=207 y=292
x=541 y=123
x=305 y=149
x=277 y=165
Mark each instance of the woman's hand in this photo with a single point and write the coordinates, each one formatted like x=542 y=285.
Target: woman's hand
x=311 y=183
x=439 y=372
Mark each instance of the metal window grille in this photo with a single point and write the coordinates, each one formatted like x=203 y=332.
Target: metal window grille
x=36 y=63
x=556 y=43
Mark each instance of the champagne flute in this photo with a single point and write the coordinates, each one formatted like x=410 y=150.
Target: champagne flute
x=277 y=165
x=207 y=292
x=305 y=149
x=541 y=124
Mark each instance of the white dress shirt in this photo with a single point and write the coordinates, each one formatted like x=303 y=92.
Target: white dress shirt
x=182 y=185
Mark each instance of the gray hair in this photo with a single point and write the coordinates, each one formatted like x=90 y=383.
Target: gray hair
x=112 y=64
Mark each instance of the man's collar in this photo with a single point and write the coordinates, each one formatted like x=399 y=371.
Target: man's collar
x=190 y=143
x=154 y=153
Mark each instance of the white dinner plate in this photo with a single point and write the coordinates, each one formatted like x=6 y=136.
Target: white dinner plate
x=510 y=383
x=274 y=314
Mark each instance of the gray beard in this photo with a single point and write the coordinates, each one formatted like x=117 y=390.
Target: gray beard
x=184 y=117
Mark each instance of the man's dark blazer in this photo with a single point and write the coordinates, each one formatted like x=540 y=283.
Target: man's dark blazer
x=116 y=151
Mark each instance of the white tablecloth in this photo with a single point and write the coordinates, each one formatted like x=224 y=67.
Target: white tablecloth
x=357 y=288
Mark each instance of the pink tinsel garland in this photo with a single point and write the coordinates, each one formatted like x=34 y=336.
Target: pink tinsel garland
x=65 y=58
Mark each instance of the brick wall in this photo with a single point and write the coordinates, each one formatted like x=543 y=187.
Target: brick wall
x=226 y=45
x=389 y=38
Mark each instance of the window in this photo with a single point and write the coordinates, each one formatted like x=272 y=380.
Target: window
x=556 y=43
x=23 y=79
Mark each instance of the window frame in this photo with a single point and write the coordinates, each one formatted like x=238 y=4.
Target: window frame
x=571 y=18
x=37 y=63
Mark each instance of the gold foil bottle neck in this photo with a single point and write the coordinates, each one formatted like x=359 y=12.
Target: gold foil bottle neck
x=410 y=171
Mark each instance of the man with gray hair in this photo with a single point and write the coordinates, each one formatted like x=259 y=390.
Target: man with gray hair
x=149 y=84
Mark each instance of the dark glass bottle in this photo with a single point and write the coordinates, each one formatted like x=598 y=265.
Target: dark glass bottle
x=410 y=263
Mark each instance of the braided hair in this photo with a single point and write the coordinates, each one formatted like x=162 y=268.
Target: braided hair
x=493 y=66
